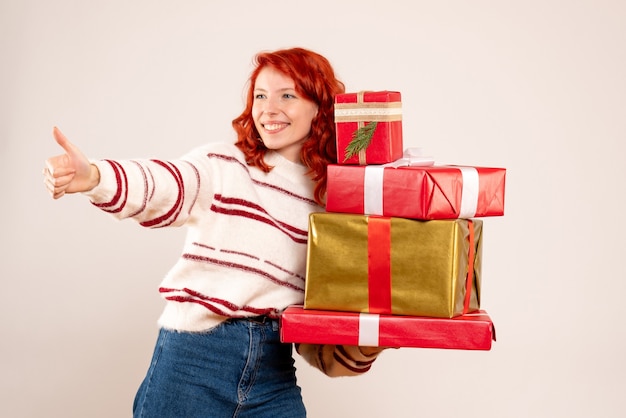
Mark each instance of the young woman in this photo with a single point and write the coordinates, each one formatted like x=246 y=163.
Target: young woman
x=246 y=206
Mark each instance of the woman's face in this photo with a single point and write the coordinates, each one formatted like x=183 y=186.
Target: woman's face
x=281 y=116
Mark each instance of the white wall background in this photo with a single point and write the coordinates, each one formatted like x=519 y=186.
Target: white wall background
x=536 y=86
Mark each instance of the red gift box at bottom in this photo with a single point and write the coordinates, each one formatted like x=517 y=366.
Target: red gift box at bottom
x=473 y=331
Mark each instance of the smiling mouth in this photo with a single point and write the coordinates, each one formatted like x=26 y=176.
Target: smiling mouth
x=271 y=127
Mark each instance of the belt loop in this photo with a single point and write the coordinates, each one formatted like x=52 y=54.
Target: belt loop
x=261 y=319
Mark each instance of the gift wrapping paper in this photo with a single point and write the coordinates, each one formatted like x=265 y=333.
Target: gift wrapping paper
x=473 y=331
x=387 y=265
x=432 y=192
x=356 y=110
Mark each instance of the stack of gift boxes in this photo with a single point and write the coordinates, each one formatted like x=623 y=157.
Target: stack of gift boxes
x=395 y=260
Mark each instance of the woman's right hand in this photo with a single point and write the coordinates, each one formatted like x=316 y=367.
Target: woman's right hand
x=70 y=172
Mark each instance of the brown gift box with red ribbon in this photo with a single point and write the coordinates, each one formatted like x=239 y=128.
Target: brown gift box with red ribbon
x=368 y=127
x=417 y=192
x=474 y=331
x=387 y=265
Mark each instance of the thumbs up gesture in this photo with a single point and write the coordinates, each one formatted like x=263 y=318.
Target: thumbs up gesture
x=70 y=172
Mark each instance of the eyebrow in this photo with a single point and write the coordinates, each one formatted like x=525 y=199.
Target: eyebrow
x=279 y=90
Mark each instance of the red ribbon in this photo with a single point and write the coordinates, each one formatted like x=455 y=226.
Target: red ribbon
x=379 y=264
x=469 y=281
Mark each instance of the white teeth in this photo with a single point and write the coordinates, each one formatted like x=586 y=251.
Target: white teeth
x=273 y=126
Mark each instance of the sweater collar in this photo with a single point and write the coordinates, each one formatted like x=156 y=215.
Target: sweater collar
x=296 y=172
x=276 y=160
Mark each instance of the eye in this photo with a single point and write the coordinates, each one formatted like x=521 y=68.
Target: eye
x=289 y=96
x=259 y=96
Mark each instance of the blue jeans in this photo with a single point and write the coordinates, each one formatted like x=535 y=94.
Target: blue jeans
x=239 y=369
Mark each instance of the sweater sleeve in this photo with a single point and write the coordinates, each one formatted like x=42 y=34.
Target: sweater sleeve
x=339 y=360
x=156 y=193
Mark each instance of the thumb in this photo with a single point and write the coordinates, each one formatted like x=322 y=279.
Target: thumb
x=65 y=143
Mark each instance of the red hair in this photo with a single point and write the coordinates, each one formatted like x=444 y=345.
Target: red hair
x=315 y=80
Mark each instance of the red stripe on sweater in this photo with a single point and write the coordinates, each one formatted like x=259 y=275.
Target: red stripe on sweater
x=153 y=182
x=359 y=363
x=211 y=302
x=145 y=190
x=198 y=244
x=197 y=173
x=261 y=183
x=171 y=215
x=229 y=305
x=291 y=273
x=183 y=299
x=229 y=159
x=256 y=217
x=122 y=184
x=207 y=305
x=248 y=204
x=285 y=191
x=345 y=364
x=241 y=267
x=254 y=257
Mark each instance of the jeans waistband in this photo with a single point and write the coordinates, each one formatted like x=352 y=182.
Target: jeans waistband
x=260 y=320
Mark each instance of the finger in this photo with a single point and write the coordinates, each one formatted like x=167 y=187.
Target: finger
x=53 y=191
x=53 y=172
x=62 y=181
x=59 y=165
x=59 y=177
x=58 y=195
x=50 y=184
x=63 y=141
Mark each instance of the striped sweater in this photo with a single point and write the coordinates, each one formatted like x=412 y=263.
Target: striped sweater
x=245 y=250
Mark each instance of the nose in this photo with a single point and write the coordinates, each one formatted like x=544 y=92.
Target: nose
x=270 y=106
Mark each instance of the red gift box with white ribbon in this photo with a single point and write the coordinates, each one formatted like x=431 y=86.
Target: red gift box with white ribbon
x=416 y=192
x=473 y=331
x=368 y=127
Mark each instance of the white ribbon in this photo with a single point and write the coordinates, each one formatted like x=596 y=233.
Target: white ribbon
x=369 y=325
x=374 y=179
x=373 y=184
x=373 y=190
x=469 y=193
x=412 y=157
x=368 y=111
